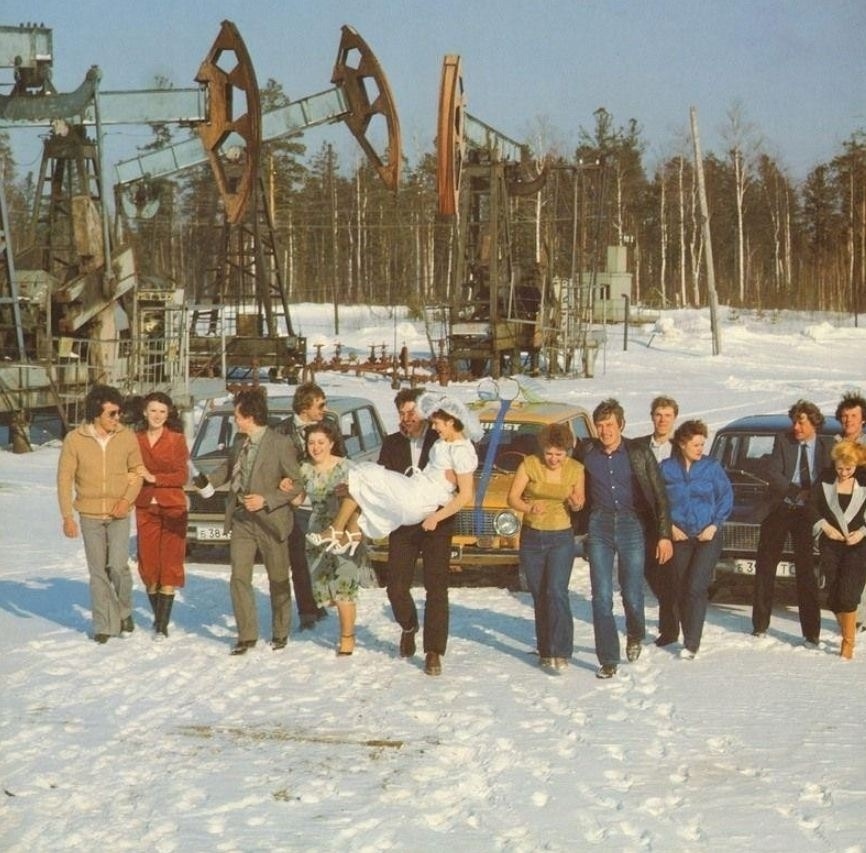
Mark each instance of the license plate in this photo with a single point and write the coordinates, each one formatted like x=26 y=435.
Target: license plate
x=783 y=570
x=211 y=534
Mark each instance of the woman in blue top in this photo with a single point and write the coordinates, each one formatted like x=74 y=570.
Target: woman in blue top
x=700 y=499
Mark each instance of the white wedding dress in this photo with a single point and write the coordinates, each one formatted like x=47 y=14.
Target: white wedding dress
x=389 y=500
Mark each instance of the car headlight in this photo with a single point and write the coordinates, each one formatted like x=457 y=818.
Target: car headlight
x=506 y=523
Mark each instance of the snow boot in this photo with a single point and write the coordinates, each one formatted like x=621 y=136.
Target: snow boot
x=163 y=612
x=154 y=599
x=848 y=624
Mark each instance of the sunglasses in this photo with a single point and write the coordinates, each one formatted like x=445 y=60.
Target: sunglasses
x=114 y=413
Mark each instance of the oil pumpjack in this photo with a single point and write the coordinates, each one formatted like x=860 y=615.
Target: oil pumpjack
x=73 y=310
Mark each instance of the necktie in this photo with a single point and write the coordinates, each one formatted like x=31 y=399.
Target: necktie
x=238 y=473
x=805 y=476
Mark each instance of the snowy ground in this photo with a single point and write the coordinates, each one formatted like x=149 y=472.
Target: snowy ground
x=178 y=747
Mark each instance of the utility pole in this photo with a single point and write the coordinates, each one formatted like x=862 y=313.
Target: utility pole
x=332 y=193
x=705 y=230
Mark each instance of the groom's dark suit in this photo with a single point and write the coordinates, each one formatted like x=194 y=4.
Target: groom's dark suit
x=405 y=544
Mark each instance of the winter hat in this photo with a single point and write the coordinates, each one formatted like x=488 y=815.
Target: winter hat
x=431 y=401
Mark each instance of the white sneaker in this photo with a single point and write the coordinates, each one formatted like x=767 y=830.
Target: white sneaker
x=687 y=654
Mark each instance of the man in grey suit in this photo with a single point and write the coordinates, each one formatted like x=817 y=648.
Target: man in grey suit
x=798 y=457
x=258 y=516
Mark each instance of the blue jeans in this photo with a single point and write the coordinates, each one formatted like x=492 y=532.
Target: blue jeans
x=546 y=560
x=617 y=534
x=692 y=564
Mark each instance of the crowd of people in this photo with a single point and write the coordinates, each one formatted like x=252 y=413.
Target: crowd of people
x=653 y=507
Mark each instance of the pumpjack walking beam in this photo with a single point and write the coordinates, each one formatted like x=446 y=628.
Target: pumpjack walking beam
x=349 y=101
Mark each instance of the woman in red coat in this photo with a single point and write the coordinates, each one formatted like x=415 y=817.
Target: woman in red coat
x=161 y=507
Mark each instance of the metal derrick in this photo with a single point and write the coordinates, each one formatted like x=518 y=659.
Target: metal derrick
x=60 y=303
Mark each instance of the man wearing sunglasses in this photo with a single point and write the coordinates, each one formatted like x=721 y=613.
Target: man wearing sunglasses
x=93 y=479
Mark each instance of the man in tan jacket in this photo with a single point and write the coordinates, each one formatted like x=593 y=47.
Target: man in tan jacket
x=93 y=479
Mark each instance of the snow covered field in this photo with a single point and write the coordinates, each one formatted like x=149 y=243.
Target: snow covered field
x=756 y=744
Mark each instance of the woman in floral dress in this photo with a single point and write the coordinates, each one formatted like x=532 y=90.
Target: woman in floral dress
x=336 y=577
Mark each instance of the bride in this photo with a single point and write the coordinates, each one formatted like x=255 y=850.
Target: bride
x=380 y=500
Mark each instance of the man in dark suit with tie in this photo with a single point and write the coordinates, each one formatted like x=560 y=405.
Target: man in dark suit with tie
x=259 y=517
x=404 y=451
x=308 y=406
x=795 y=464
x=663 y=412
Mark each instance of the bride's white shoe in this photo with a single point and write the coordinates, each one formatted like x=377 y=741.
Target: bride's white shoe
x=350 y=544
x=321 y=540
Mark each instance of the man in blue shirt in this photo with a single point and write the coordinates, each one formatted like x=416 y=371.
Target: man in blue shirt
x=627 y=501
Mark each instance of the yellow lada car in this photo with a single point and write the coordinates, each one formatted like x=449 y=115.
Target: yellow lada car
x=487 y=535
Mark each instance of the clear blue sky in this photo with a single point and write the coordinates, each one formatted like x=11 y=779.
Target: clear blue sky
x=798 y=67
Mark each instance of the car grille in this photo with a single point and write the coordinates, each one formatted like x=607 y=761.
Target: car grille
x=215 y=505
x=465 y=524
x=743 y=539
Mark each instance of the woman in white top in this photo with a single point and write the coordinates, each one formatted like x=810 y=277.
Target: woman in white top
x=387 y=500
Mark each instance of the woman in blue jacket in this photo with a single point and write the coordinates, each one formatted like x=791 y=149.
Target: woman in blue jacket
x=700 y=499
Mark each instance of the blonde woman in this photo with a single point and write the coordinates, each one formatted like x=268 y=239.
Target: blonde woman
x=840 y=507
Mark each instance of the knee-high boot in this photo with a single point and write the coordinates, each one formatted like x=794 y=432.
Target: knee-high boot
x=848 y=626
x=154 y=599
x=163 y=612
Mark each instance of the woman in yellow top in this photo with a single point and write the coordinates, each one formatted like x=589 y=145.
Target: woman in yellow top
x=546 y=488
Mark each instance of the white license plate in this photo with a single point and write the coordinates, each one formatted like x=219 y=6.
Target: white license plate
x=747 y=567
x=210 y=534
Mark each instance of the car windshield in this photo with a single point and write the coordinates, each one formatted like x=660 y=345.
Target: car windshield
x=515 y=441
x=745 y=455
x=217 y=432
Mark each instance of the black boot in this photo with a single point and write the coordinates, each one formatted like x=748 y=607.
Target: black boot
x=154 y=600
x=163 y=612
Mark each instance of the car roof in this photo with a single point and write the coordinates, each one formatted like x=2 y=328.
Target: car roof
x=541 y=413
x=339 y=405
x=774 y=424
x=283 y=405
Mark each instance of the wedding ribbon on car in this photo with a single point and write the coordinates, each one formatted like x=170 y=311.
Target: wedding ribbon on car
x=504 y=390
